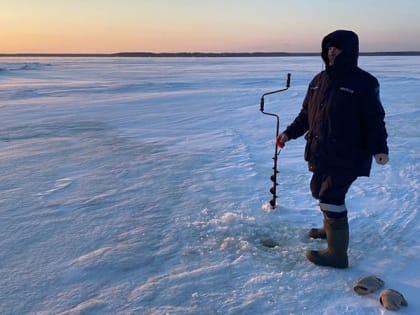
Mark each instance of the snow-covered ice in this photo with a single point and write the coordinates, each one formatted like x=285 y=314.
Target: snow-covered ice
x=139 y=186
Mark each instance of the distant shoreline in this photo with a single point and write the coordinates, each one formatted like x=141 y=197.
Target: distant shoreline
x=204 y=54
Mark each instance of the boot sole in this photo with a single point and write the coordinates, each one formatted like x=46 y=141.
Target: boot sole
x=313 y=233
x=315 y=258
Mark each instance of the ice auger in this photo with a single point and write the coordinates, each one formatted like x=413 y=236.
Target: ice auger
x=277 y=144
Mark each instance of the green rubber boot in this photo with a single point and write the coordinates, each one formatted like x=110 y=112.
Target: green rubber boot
x=337 y=232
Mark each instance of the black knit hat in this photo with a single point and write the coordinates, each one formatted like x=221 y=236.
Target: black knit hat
x=332 y=43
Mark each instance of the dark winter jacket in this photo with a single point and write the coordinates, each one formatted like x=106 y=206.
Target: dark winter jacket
x=342 y=114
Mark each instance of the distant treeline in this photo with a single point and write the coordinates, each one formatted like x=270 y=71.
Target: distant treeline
x=204 y=54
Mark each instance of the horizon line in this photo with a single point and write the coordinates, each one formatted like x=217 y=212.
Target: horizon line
x=205 y=54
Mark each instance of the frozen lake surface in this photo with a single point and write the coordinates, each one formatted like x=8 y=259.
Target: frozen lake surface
x=140 y=186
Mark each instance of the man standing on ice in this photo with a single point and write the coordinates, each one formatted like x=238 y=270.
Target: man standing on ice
x=343 y=121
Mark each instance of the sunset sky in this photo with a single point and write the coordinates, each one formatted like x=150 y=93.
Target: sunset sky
x=107 y=26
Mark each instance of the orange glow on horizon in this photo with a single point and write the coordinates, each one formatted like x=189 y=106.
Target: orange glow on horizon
x=105 y=26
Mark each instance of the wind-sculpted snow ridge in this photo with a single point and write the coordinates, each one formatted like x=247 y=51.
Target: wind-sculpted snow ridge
x=25 y=66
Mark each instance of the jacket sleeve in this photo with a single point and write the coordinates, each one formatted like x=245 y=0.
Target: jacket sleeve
x=374 y=118
x=300 y=125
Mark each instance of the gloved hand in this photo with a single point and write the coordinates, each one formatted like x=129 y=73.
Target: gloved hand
x=392 y=300
x=367 y=285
